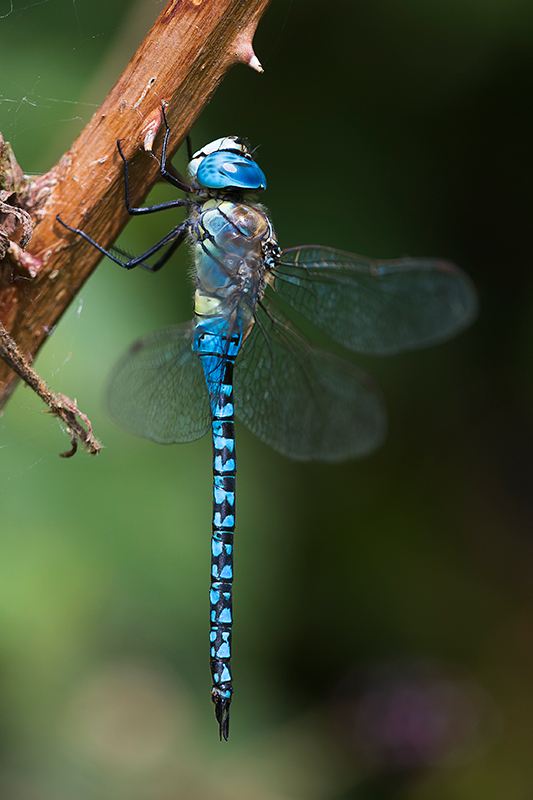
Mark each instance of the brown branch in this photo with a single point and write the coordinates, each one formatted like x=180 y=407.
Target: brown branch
x=63 y=407
x=182 y=60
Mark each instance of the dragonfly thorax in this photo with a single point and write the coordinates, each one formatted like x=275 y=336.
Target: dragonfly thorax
x=229 y=240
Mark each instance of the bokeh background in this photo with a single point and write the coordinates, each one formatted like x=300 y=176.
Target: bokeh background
x=383 y=644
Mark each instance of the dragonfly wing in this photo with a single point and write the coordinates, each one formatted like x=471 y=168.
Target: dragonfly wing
x=376 y=307
x=304 y=402
x=158 y=390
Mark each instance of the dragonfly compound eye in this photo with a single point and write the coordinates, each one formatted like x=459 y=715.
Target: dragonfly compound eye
x=225 y=170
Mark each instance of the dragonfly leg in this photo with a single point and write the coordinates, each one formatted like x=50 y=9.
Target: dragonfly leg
x=162 y=260
x=174 y=177
x=175 y=236
x=189 y=147
x=158 y=206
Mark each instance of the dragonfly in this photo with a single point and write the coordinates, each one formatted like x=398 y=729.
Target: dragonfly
x=244 y=355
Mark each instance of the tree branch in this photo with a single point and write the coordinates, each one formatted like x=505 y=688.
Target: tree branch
x=61 y=406
x=182 y=60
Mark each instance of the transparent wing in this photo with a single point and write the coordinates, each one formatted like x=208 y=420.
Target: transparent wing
x=158 y=390
x=304 y=402
x=376 y=307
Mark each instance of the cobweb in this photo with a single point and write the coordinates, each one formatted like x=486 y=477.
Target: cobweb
x=63 y=57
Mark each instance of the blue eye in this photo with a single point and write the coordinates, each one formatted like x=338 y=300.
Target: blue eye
x=225 y=170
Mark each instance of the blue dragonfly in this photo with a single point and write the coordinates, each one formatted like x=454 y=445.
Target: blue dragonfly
x=243 y=356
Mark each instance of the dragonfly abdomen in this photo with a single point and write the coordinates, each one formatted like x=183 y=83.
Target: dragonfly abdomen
x=224 y=465
x=217 y=346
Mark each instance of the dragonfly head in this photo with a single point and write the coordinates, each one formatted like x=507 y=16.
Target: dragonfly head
x=226 y=163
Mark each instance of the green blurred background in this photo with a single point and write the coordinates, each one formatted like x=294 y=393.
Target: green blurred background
x=383 y=645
